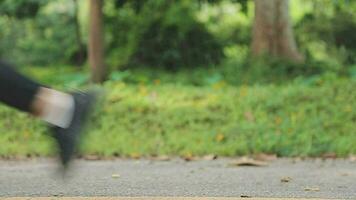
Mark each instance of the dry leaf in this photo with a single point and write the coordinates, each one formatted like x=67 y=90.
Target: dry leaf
x=153 y=96
x=115 y=176
x=91 y=157
x=161 y=158
x=296 y=160
x=244 y=161
x=352 y=158
x=344 y=174
x=286 y=179
x=278 y=120
x=188 y=157
x=312 y=189
x=210 y=157
x=220 y=137
x=135 y=156
x=219 y=85
x=265 y=157
x=329 y=156
x=114 y=99
x=249 y=116
x=157 y=81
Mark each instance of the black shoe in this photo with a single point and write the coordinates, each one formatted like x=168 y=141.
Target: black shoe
x=67 y=138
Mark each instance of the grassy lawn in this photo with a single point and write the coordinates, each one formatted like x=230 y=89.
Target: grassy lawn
x=305 y=118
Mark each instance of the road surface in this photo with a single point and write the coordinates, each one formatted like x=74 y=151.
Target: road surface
x=283 y=178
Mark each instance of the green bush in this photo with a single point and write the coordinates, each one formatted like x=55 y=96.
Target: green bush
x=164 y=34
x=325 y=34
x=42 y=39
x=21 y=8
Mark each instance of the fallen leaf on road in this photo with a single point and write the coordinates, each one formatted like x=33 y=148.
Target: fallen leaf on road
x=329 y=156
x=312 y=189
x=210 y=157
x=352 y=158
x=265 y=157
x=188 y=157
x=135 y=155
x=115 y=176
x=245 y=196
x=344 y=174
x=58 y=195
x=296 y=160
x=161 y=158
x=286 y=179
x=245 y=161
x=91 y=157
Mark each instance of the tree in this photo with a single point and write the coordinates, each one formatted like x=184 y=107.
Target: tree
x=80 y=55
x=96 y=59
x=273 y=32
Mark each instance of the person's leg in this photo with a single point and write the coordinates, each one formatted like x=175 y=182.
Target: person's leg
x=20 y=92
x=16 y=90
x=65 y=112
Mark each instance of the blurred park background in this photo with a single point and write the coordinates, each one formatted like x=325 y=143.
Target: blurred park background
x=190 y=77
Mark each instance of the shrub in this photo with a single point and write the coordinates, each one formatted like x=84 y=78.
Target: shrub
x=166 y=34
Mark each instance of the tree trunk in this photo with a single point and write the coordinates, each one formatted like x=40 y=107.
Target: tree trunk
x=273 y=32
x=96 y=59
x=80 y=55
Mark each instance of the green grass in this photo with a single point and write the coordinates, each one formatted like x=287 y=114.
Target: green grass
x=305 y=117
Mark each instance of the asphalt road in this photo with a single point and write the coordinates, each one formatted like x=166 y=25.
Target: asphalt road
x=304 y=179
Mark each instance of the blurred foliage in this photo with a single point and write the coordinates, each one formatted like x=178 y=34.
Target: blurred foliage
x=21 y=8
x=177 y=34
x=325 y=33
x=242 y=3
x=44 y=38
x=162 y=34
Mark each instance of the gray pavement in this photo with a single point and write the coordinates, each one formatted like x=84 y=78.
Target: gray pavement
x=305 y=179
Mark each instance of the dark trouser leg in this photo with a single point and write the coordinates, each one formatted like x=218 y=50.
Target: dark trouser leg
x=15 y=89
